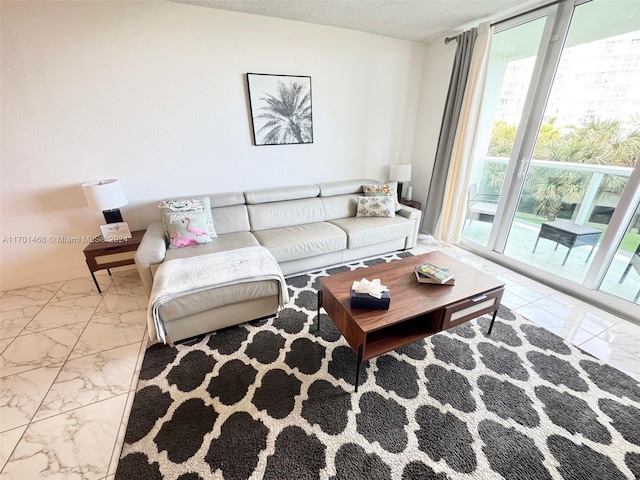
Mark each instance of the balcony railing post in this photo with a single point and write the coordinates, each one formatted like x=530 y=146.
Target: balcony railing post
x=589 y=198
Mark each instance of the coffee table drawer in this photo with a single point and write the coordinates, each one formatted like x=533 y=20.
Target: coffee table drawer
x=472 y=307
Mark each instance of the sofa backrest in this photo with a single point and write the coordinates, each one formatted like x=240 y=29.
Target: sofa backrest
x=340 y=199
x=283 y=206
x=229 y=212
x=281 y=194
x=331 y=189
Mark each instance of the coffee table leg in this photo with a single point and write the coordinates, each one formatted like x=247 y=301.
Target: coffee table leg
x=566 y=256
x=358 y=366
x=590 y=252
x=493 y=319
x=319 y=304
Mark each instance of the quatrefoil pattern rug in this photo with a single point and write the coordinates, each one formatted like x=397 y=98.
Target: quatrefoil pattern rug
x=274 y=399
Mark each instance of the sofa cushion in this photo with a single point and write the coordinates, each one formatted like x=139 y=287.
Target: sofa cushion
x=300 y=241
x=187 y=221
x=364 y=231
x=386 y=189
x=378 y=206
x=222 y=243
x=217 y=297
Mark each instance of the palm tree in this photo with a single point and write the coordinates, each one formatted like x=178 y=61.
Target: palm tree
x=288 y=115
x=596 y=142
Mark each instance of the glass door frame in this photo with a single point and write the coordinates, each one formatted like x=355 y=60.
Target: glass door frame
x=547 y=59
x=552 y=43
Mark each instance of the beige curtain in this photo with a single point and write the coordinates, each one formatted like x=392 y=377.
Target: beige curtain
x=454 y=204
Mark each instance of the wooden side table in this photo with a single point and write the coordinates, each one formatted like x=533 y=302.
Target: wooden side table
x=411 y=203
x=101 y=255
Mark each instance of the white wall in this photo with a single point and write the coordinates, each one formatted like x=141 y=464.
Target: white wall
x=153 y=93
x=434 y=85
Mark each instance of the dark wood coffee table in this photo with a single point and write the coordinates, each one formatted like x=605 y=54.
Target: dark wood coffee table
x=417 y=310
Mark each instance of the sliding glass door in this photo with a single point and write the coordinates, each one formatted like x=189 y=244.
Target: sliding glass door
x=622 y=278
x=558 y=173
x=512 y=57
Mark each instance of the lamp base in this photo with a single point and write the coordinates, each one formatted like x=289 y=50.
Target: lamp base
x=399 y=191
x=112 y=216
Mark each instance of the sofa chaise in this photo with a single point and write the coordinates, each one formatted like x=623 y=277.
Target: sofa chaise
x=304 y=227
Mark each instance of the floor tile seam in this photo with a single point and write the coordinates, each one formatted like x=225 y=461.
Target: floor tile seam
x=23 y=307
x=506 y=288
x=62 y=365
x=108 y=349
x=24 y=334
x=46 y=394
x=100 y=318
x=15 y=446
x=613 y=363
x=579 y=304
x=556 y=317
x=570 y=321
x=620 y=347
x=54 y=301
x=67 y=412
x=57 y=364
x=119 y=293
x=90 y=403
x=546 y=328
x=114 y=313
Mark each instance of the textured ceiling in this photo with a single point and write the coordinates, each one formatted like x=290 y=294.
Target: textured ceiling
x=416 y=20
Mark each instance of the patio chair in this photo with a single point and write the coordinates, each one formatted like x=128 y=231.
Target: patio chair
x=635 y=263
x=481 y=205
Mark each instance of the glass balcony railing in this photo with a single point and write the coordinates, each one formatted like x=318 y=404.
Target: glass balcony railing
x=588 y=197
x=591 y=200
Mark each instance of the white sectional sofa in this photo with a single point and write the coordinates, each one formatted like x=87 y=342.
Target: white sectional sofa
x=304 y=227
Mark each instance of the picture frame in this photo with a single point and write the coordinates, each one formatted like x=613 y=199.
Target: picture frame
x=116 y=232
x=281 y=109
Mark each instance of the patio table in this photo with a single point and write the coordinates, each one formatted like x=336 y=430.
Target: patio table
x=570 y=235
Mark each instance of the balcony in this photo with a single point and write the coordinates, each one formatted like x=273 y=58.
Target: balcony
x=594 y=209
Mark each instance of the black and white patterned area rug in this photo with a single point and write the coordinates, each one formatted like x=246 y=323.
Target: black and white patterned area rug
x=274 y=399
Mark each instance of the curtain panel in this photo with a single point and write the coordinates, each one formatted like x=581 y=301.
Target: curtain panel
x=454 y=204
x=454 y=156
x=461 y=64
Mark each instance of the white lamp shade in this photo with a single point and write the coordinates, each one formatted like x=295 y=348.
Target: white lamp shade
x=104 y=194
x=400 y=172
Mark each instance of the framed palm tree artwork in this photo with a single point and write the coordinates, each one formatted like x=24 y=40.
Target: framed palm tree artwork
x=280 y=109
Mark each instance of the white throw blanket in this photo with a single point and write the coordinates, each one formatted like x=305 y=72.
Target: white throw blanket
x=186 y=276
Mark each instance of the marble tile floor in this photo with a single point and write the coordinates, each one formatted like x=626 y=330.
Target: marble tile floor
x=70 y=358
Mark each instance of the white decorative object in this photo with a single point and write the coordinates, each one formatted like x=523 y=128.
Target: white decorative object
x=373 y=287
x=400 y=172
x=409 y=194
x=116 y=232
x=106 y=195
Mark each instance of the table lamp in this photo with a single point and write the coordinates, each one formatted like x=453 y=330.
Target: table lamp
x=106 y=195
x=400 y=172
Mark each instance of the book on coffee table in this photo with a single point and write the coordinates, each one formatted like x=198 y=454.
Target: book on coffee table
x=437 y=274
x=424 y=279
